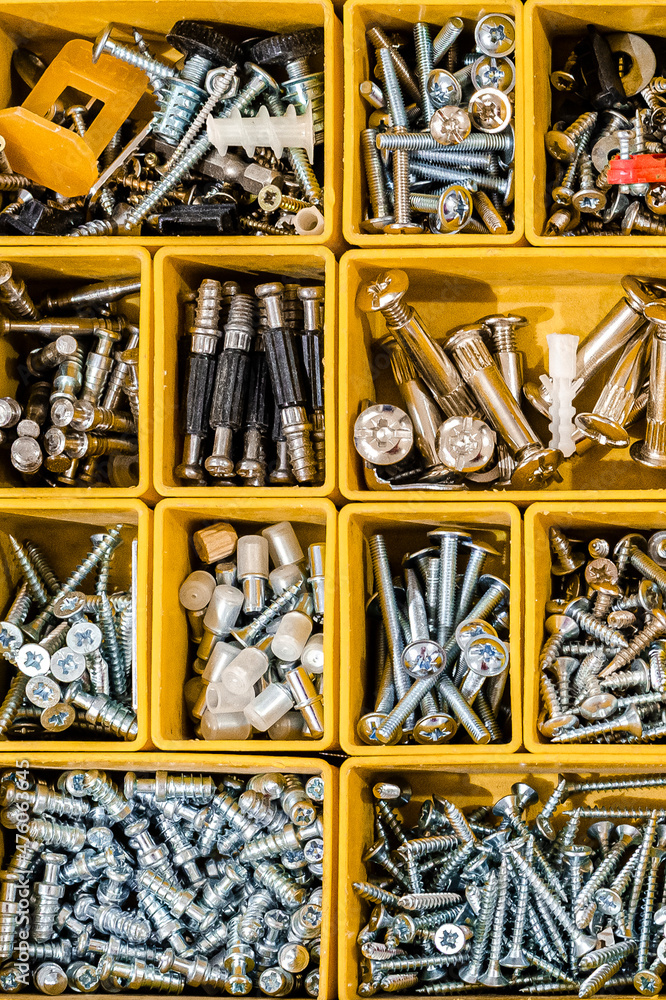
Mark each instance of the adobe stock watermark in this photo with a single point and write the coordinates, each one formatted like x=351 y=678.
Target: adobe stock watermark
x=21 y=966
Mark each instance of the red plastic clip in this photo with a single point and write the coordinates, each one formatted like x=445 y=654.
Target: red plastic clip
x=644 y=168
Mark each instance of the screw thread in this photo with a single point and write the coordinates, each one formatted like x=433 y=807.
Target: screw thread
x=375 y=894
x=465 y=715
x=384 y=584
x=29 y=572
x=647 y=913
x=391 y=820
x=609 y=636
x=153 y=67
x=71 y=837
x=41 y=565
x=488 y=718
x=100 y=788
x=96 y=227
x=435 y=173
x=428 y=900
x=648 y=568
x=113 y=655
x=405 y=706
x=445 y=38
x=483 y=928
x=448 y=564
x=561 y=547
x=640 y=642
x=392 y=93
x=600 y=977
x=550 y=651
x=492 y=220
x=20 y=606
x=374 y=175
x=424 y=63
x=285 y=890
x=450 y=155
x=454 y=864
x=12 y=702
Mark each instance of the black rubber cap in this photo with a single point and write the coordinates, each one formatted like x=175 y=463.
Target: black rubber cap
x=281 y=49
x=200 y=38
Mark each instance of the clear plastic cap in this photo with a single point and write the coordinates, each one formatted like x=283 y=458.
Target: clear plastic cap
x=252 y=556
x=245 y=670
x=196 y=590
x=222 y=655
x=312 y=656
x=233 y=726
x=219 y=701
x=292 y=634
x=289 y=727
x=283 y=544
x=223 y=610
x=268 y=707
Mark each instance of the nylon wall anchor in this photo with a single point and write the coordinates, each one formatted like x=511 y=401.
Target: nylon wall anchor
x=289 y=131
x=561 y=387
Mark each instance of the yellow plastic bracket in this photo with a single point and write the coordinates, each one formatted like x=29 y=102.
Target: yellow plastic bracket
x=55 y=156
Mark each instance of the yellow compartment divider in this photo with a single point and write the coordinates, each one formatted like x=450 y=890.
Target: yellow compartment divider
x=359 y=15
x=482 y=781
x=46 y=28
x=62 y=528
x=405 y=526
x=551 y=29
x=557 y=292
x=181 y=269
x=147 y=763
x=75 y=265
x=599 y=518
x=175 y=522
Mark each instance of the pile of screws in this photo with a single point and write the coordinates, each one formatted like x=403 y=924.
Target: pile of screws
x=73 y=652
x=603 y=665
x=606 y=142
x=172 y=176
x=464 y=904
x=259 y=666
x=169 y=884
x=435 y=651
x=265 y=376
x=448 y=153
x=465 y=427
x=78 y=397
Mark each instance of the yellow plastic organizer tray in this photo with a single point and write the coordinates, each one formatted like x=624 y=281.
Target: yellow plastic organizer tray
x=359 y=16
x=50 y=765
x=556 y=292
x=62 y=529
x=179 y=271
x=72 y=267
x=405 y=527
x=551 y=29
x=579 y=521
x=44 y=28
x=482 y=782
x=173 y=653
